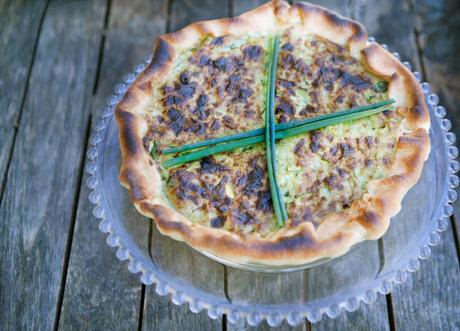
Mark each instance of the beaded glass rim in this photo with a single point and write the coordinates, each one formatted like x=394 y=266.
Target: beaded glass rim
x=255 y=314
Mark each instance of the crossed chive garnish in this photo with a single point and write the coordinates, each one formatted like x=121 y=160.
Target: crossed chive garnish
x=270 y=133
x=270 y=130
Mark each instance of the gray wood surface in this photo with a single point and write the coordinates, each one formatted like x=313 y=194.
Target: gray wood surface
x=58 y=63
x=100 y=293
x=20 y=23
x=40 y=192
x=94 y=272
x=437 y=27
x=159 y=312
x=326 y=279
x=238 y=7
x=251 y=287
x=430 y=299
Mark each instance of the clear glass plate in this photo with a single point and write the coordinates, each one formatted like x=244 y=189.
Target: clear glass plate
x=339 y=284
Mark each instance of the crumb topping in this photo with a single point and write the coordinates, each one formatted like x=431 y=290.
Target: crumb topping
x=214 y=91
x=218 y=88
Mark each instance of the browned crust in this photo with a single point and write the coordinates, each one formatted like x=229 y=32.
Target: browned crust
x=367 y=218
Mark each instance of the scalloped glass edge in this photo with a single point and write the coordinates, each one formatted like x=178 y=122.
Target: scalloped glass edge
x=255 y=314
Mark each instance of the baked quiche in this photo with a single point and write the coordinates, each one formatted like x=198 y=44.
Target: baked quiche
x=339 y=184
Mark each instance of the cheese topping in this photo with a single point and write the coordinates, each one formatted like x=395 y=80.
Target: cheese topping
x=218 y=88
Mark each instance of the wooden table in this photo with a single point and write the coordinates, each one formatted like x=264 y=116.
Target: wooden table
x=59 y=61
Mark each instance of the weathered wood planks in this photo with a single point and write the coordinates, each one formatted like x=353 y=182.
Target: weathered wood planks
x=159 y=312
x=40 y=192
x=437 y=29
x=100 y=293
x=327 y=279
x=241 y=6
x=430 y=298
x=183 y=261
x=20 y=23
x=263 y=288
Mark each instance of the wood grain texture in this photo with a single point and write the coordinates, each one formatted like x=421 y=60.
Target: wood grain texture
x=100 y=293
x=19 y=29
x=39 y=198
x=430 y=298
x=378 y=17
x=159 y=312
x=438 y=26
x=262 y=288
x=327 y=279
x=375 y=318
x=6 y=145
x=178 y=259
x=185 y=12
x=240 y=6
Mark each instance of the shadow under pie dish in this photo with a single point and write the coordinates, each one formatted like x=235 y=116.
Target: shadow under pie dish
x=340 y=184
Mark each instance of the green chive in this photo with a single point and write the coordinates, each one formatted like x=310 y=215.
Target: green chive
x=381 y=86
x=327 y=122
x=228 y=146
x=224 y=147
x=270 y=146
x=214 y=141
x=278 y=127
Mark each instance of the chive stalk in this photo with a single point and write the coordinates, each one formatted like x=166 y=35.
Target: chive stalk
x=270 y=146
x=232 y=145
x=278 y=127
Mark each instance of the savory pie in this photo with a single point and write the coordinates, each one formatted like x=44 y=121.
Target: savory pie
x=340 y=184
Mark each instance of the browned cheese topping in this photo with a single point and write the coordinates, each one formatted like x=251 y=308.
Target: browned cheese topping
x=215 y=93
x=219 y=88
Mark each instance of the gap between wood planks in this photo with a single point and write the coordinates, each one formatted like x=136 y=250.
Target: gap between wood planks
x=453 y=219
x=224 y=316
x=150 y=234
x=87 y=134
x=71 y=230
x=143 y=287
x=23 y=98
x=388 y=298
x=456 y=237
x=101 y=46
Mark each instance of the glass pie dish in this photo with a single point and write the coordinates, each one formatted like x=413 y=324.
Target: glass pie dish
x=328 y=287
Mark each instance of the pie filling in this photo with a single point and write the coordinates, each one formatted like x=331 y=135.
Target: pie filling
x=218 y=88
